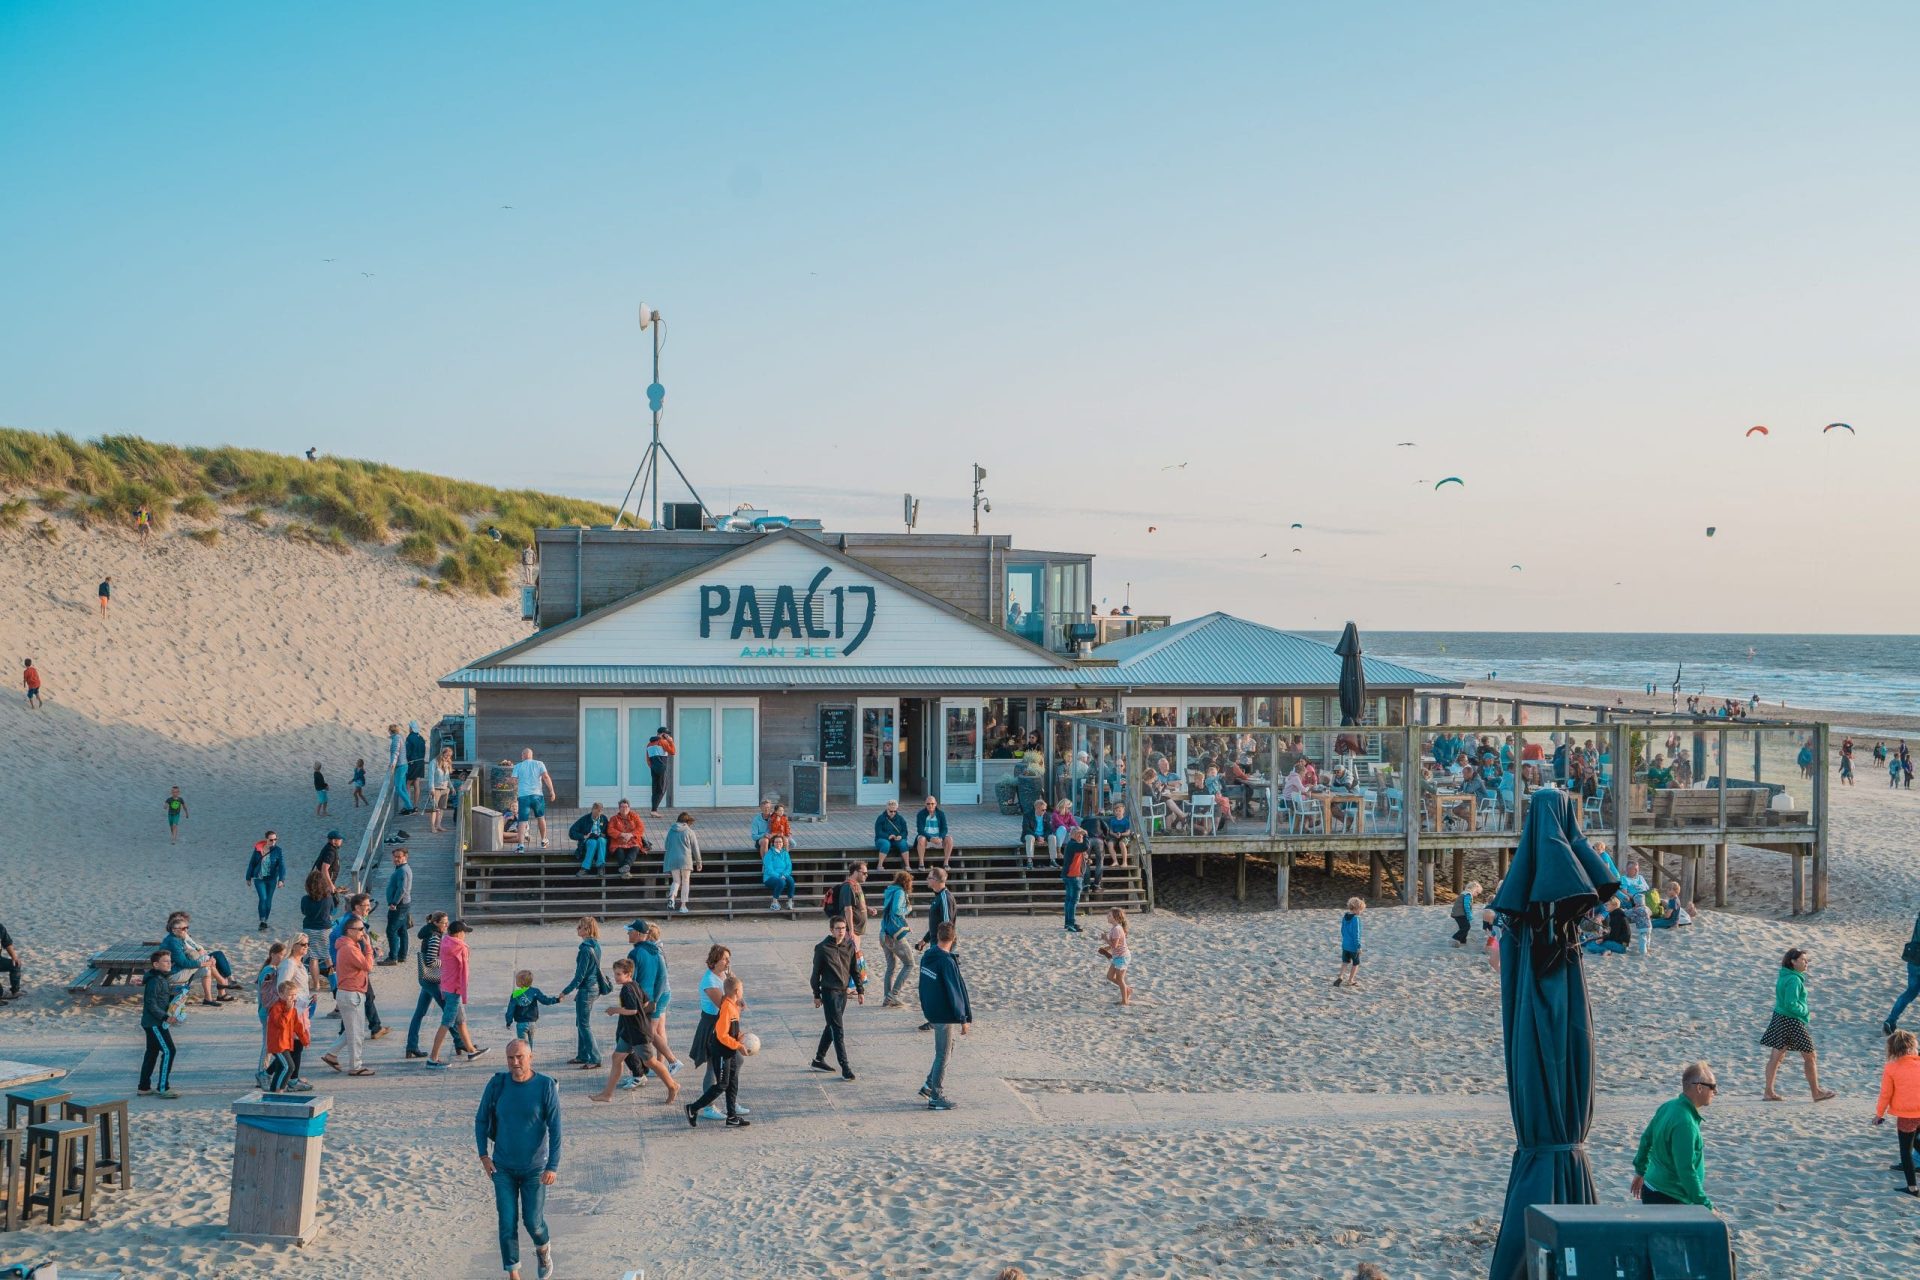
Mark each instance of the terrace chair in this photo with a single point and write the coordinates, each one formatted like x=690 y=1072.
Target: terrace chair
x=1486 y=815
x=1153 y=813
x=1592 y=809
x=1396 y=808
x=1202 y=809
x=1307 y=816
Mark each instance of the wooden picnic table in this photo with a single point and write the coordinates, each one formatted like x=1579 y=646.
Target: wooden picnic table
x=1439 y=803
x=15 y=1074
x=1329 y=799
x=120 y=963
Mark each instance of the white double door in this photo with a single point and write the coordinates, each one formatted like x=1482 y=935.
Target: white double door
x=718 y=759
x=960 y=750
x=613 y=748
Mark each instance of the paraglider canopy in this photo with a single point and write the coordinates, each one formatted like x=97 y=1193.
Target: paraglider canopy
x=1761 y=430
x=1838 y=426
x=1296 y=526
x=1516 y=568
x=1452 y=480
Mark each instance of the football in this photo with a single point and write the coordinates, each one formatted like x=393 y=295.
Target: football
x=751 y=1043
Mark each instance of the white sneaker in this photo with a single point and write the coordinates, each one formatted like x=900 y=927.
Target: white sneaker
x=771 y=906
x=712 y=1113
x=683 y=909
x=742 y=1108
x=629 y=1083
x=669 y=902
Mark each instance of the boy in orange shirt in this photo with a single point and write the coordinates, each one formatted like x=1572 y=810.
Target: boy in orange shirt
x=1900 y=1094
x=286 y=1037
x=730 y=1052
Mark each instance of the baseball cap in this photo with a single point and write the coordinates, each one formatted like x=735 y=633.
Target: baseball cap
x=335 y=835
x=638 y=926
x=459 y=926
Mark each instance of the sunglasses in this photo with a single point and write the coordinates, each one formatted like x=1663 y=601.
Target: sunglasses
x=1708 y=1085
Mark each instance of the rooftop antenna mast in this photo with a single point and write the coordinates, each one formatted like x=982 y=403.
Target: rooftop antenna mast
x=649 y=470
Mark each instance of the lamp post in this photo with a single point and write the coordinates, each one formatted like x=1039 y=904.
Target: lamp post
x=980 y=502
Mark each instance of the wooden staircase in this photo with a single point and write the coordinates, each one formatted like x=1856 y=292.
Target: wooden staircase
x=541 y=886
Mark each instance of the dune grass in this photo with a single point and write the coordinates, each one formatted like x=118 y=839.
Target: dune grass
x=440 y=523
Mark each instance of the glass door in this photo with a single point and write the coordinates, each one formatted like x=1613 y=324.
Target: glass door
x=737 y=761
x=879 y=751
x=613 y=748
x=693 y=774
x=641 y=721
x=960 y=751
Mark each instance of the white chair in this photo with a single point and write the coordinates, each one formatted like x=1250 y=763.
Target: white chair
x=1486 y=815
x=1396 y=808
x=1201 y=808
x=1307 y=815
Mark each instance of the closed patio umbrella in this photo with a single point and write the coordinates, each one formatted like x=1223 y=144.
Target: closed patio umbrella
x=1353 y=681
x=1556 y=879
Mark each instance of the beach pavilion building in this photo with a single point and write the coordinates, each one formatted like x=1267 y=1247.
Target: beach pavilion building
x=836 y=672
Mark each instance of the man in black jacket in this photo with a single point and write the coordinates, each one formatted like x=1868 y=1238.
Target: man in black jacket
x=940 y=910
x=1911 y=954
x=833 y=969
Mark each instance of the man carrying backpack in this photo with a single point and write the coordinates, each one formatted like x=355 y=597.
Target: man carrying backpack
x=847 y=901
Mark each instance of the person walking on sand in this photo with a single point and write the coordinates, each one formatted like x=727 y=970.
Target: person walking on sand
x=940 y=910
x=519 y=1115
x=106 y=594
x=633 y=1038
x=328 y=861
x=1911 y=954
x=453 y=997
x=895 y=906
x=426 y=965
x=1788 y=1029
x=399 y=906
x=850 y=901
x=533 y=788
x=319 y=791
x=1900 y=1094
x=359 y=782
x=156 y=1004
x=706 y=1049
x=9 y=966
x=589 y=982
x=660 y=752
x=1116 y=953
x=1462 y=912
x=1670 y=1165
x=944 y=1004
x=360 y=907
x=352 y=969
x=266 y=872
x=650 y=974
x=30 y=678
x=176 y=814
x=833 y=969
x=1349 y=975
x=730 y=1050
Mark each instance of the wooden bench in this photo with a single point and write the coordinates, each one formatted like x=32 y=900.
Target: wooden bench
x=1746 y=807
x=124 y=964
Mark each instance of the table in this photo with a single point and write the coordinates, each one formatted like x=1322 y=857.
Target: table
x=1329 y=799
x=123 y=962
x=1441 y=804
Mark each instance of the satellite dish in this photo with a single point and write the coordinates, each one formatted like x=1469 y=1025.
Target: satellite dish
x=647 y=316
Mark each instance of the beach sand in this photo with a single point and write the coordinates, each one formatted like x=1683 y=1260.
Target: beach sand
x=1244 y=1119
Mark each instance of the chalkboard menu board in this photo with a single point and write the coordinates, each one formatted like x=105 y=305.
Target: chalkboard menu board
x=836 y=736
x=809 y=793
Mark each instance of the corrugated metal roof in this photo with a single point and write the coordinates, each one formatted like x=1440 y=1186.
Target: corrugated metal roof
x=1219 y=651
x=821 y=676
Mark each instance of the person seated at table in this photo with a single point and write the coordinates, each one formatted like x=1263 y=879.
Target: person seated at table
x=1659 y=774
x=1238 y=775
x=1003 y=749
x=1443 y=751
x=192 y=961
x=1163 y=769
x=1211 y=783
x=1308 y=773
x=890 y=835
x=1347 y=815
x=1294 y=788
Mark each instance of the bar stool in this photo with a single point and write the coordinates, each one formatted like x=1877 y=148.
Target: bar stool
x=40 y=1101
x=11 y=1140
x=112 y=1152
x=67 y=1147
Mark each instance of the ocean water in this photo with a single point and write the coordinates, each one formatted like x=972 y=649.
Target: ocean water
x=1878 y=674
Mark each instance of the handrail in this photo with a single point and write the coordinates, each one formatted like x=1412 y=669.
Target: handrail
x=369 y=853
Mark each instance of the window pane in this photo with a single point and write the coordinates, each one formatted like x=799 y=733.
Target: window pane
x=737 y=764
x=963 y=732
x=642 y=723
x=601 y=768
x=696 y=747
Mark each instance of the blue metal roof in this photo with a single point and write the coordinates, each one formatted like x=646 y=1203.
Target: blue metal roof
x=1214 y=653
x=1219 y=651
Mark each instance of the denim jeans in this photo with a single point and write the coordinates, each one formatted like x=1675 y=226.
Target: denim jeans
x=263 y=890
x=596 y=847
x=402 y=802
x=900 y=957
x=942 y=1043
x=1073 y=900
x=518 y=1194
x=399 y=927
x=780 y=886
x=1908 y=996
x=429 y=998
x=584 y=1047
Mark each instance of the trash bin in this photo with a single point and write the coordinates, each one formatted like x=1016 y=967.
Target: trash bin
x=1577 y=1241
x=276 y=1167
x=489 y=829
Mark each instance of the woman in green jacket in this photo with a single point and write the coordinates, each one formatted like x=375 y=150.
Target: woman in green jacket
x=1788 y=1030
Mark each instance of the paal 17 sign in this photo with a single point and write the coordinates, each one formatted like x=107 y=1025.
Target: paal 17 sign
x=804 y=616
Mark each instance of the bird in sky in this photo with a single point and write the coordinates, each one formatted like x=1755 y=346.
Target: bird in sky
x=1175 y=466
x=329 y=259
x=1405 y=444
x=367 y=274
x=1263 y=555
x=506 y=206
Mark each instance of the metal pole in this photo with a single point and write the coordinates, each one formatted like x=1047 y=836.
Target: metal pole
x=653 y=451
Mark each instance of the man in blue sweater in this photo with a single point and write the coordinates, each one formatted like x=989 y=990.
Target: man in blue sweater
x=519 y=1114
x=399 y=908
x=943 y=1001
x=890 y=835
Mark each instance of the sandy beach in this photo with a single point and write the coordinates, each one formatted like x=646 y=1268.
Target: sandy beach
x=1244 y=1119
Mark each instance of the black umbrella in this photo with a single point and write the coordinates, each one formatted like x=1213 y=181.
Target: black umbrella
x=1353 y=681
x=1556 y=878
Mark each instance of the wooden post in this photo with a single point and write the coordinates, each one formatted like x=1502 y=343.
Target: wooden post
x=1799 y=882
x=1720 y=874
x=1412 y=803
x=1283 y=866
x=1622 y=784
x=1822 y=794
x=1376 y=866
x=1199 y=866
x=1426 y=876
x=1502 y=860
x=1459 y=871
x=1329 y=864
x=1240 y=879
x=1689 y=874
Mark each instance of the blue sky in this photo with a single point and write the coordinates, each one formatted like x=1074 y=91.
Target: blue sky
x=1572 y=253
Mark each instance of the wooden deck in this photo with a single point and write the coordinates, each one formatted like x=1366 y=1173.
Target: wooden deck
x=979 y=826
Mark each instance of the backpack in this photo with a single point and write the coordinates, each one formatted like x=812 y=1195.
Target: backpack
x=826 y=899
